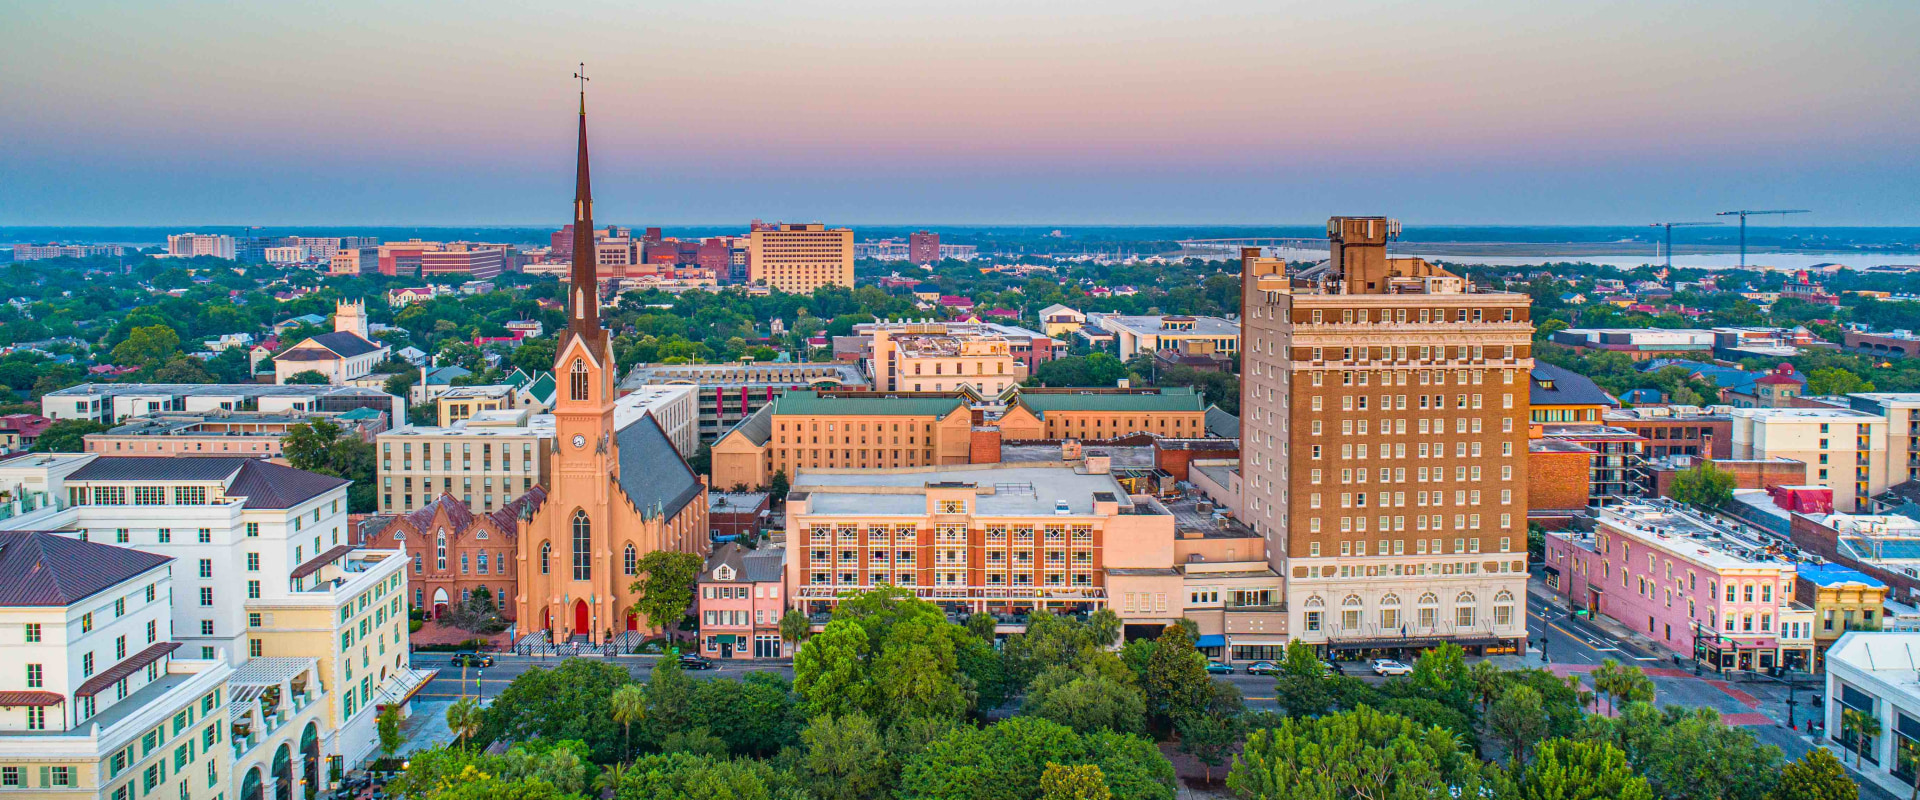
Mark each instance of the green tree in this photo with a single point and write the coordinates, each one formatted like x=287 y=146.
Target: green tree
x=567 y=702
x=1209 y=738
x=665 y=591
x=1816 y=776
x=1518 y=718
x=1606 y=680
x=1358 y=753
x=150 y=344
x=307 y=377
x=1076 y=782
x=846 y=758
x=892 y=655
x=1441 y=673
x=777 y=486
x=66 y=436
x=1005 y=761
x=793 y=626
x=829 y=671
x=1860 y=728
x=182 y=369
x=1488 y=682
x=1086 y=700
x=464 y=718
x=671 y=699
x=1567 y=770
x=1706 y=486
x=392 y=738
x=324 y=447
x=1301 y=687
x=982 y=624
x=1176 y=678
x=1834 y=381
x=628 y=705
x=688 y=776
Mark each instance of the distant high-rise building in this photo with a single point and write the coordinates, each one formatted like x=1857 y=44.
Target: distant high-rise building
x=801 y=258
x=479 y=263
x=188 y=245
x=36 y=252
x=923 y=247
x=1384 y=445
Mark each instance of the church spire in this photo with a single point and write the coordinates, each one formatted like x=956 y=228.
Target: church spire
x=584 y=316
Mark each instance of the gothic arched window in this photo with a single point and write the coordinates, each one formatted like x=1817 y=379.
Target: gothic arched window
x=632 y=560
x=582 y=546
x=546 y=550
x=579 y=379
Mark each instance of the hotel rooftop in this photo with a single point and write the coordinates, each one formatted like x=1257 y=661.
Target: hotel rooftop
x=1002 y=490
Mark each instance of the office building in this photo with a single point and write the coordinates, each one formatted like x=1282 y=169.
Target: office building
x=905 y=359
x=189 y=245
x=800 y=258
x=479 y=263
x=923 y=247
x=94 y=678
x=354 y=261
x=1384 y=445
x=1030 y=348
x=1872 y=673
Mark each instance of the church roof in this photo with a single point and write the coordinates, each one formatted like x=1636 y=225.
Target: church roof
x=652 y=473
x=345 y=344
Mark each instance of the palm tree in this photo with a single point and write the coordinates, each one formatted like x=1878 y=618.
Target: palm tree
x=1859 y=726
x=1606 y=679
x=610 y=778
x=1105 y=626
x=628 y=705
x=464 y=718
x=1488 y=680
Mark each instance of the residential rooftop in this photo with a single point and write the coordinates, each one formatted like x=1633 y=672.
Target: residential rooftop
x=214 y=389
x=1148 y=325
x=1003 y=490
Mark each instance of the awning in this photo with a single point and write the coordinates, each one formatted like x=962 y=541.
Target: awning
x=120 y=671
x=28 y=698
x=1211 y=640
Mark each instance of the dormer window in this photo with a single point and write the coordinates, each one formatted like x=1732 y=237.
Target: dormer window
x=724 y=573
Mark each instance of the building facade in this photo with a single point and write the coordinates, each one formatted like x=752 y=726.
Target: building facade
x=341 y=356
x=189 y=245
x=731 y=392
x=741 y=601
x=800 y=258
x=1844 y=450
x=1384 y=445
x=452 y=552
x=485 y=462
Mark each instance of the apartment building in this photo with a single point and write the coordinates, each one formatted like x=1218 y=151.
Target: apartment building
x=1384 y=445
x=1678 y=430
x=263 y=570
x=189 y=245
x=1902 y=412
x=1028 y=347
x=113 y=403
x=1701 y=586
x=1006 y=539
x=38 y=252
x=800 y=258
x=99 y=702
x=731 y=392
x=937 y=362
x=458 y=403
x=485 y=461
x=354 y=261
x=239 y=433
x=857 y=430
x=1844 y=450
x=1149 y=334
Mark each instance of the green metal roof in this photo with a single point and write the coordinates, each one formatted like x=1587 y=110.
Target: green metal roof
x=542 y=388
x=1176 y=398
x=806 y=402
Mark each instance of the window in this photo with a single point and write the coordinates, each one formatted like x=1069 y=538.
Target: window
x=36 y=676
x=582 y=546
x=579 y=380
x=631 y=560
x=33 y=632
x=546 y=549
x=206 y=595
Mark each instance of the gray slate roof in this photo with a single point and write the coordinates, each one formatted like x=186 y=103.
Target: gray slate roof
x=757 y=427
x=46 y=569
x=749 y=566
x=345 y=343
x=263 y=483
x=1222 y=424
x=651 y=471
x=1559 y=386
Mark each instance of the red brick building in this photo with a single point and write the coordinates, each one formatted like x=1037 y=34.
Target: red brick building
x=923 y=247
x=455 y=551
x=479 y=264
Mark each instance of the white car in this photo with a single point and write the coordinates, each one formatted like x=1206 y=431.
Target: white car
x=1390 y=667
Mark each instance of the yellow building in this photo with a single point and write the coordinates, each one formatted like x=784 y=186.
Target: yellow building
x=1059 y=321
x=930 y=359
x=829 y=430
x=462 y=402
x=800 y=258
x=1842 y=599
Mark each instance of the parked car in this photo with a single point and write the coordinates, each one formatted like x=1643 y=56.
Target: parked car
x=1388 y=666
x=1334 y=667
x=1217 y=668
x=471 y=660
x=691 y=661
x=1263 y=668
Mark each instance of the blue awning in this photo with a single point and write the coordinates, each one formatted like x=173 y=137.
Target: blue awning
x=1211 y=640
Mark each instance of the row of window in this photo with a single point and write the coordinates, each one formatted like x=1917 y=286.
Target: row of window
x=1421 y=522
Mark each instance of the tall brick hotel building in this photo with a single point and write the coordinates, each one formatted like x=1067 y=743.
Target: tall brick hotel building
x=1384 y=445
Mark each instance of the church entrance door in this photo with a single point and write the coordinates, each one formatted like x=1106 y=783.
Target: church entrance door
x=581 y=627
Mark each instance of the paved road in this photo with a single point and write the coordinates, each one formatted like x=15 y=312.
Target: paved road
x=455 y=682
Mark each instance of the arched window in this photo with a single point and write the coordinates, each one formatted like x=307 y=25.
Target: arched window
x=1350 y=613
x=546 y=550
x=1429 y=611
x=440 y=550
x=582 y=546
x=632 y=560
x=1463 y=610
x=579 y=379
x=1390 y=612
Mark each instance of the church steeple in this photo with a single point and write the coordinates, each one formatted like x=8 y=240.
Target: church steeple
x=583 y=318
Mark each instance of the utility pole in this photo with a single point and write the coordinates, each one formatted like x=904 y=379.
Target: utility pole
x=1743 y=225
x=1670 y=226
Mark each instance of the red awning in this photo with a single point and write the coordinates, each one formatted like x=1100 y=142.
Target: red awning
x=120 y=671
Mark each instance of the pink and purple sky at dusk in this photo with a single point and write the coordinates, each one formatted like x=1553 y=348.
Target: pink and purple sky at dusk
x=858 y=111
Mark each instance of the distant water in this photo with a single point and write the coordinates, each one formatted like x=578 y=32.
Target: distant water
x=1690 y=261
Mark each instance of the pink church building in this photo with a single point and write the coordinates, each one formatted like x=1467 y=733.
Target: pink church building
x=1703 y=587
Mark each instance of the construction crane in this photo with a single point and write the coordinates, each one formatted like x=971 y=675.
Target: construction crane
x=1743 y=225
x=1670 y=226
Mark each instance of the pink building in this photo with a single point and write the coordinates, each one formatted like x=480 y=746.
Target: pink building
x=1703 y=587
x=742 y=595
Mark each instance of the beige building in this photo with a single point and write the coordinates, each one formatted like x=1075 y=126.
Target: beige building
x=1384 y=445
x=1134 y=335
x=96 y=703
x=1844 y=450
x=222 y=433
x=485 y=461
x=800 y=258
x=857 y=430
x=462 y=402
x=1902 y=411
x=1174 y=412
x=341 y=356
x=927 y=358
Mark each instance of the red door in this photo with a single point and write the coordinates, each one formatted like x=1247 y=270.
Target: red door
x=580 y=624
x=633 y=622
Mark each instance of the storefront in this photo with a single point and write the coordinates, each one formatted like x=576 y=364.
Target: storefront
x=1405 y=649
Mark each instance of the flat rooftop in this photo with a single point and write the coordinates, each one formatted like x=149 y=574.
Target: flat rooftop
x=1807 y=413
x=212 y=389
x=1709 y=541
x=1156 y=325
x=1004 y=490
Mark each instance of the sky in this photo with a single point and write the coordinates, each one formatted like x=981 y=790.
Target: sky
x=983 y=112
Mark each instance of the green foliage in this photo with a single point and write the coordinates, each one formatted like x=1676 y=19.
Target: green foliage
x=1098 y=369
x=793 y=626
x=147 y=345
x=846 y=758
x=1689 y=754
x=1359 y=753
x=1087 y=699
x=1301 y=689
x=1006 y=761
x=66 y=436
x=627 y=705
x=387 y=723
x=567 y=702
x=666 y=588
x=1706 y=486
x=1441 y=674
x=982 y=625
x=1209 y=737
x=1074 y=782
x=1833 y=381
x=1176 y=679
x=1816 y=776
x=890 y=655
x=1567 y=770
x=1519 y=718
x=323 y=446
x=687 y=776
x=307 y=377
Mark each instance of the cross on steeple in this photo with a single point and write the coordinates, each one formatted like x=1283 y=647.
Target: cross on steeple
x=582 y=75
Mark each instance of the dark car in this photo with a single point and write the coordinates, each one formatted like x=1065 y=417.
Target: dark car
x=691 y=661
x=1263 y=668
x=1217 y=668
x=471 y=660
